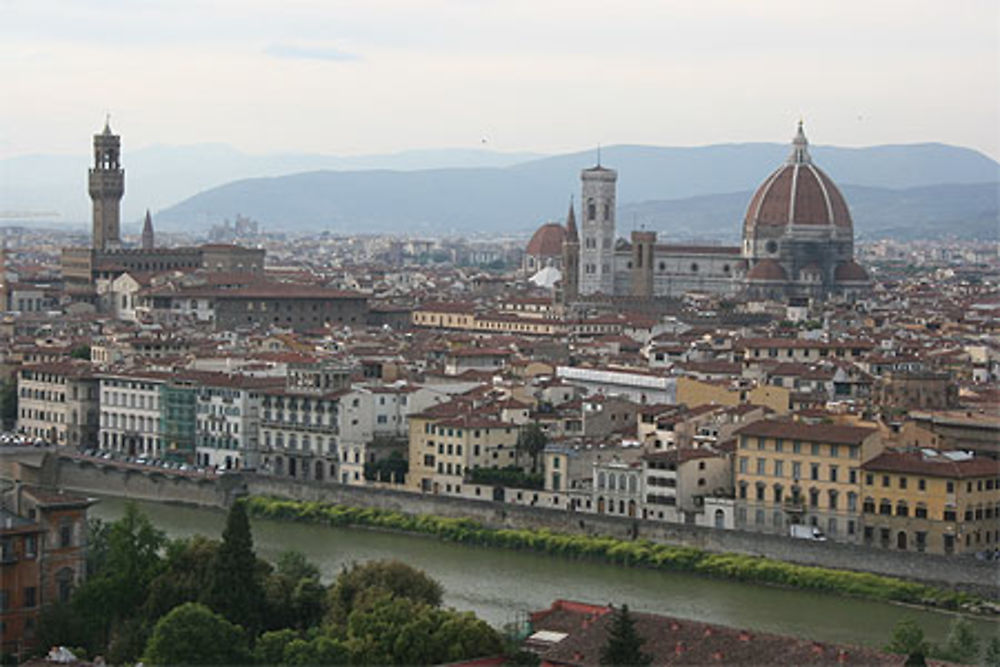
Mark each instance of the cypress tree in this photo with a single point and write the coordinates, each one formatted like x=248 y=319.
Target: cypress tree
x=624 y=644
x=234 y=588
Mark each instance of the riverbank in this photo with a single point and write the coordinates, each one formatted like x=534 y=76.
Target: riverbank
x=639 y=553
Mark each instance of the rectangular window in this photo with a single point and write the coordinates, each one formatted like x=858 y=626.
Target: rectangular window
x=744 y=464
x=922 y=484
x=833 y=473
x=815 y=449
x=885 y=481
x=779 y=468
x=902 y=482
x=834 y=451
x=814 y=471
x=30 y=596
x=779 y=445
x=761 y=463
x=796 y=469
x=760 y=443
x=796 y=446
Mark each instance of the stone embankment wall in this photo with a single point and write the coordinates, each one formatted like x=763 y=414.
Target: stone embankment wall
x=86 y=477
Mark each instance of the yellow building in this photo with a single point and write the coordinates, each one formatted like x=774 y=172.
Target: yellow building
x=694 y=393
x=445 y=444
x=788 y=472
x=926 y=500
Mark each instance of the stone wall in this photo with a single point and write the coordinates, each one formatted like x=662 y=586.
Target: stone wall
x=86 y=477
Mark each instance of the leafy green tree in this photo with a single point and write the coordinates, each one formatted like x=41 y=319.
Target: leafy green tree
x=80 y=352
x=295 y=597
x=185 y=577
x=270 y=646
x=320 y=650
x=991 y=656
x=962 y=644
x=908 y=639
x=383 y=576
x=118 y=587
x=531 y=441
x=192 y=634
x=294 y=565
x=235 y=589
x=624 y=645
x=387 y=630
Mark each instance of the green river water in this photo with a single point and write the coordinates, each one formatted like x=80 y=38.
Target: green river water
x=500 y=586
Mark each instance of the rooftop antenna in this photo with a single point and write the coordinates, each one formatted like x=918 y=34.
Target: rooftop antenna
x=598 y=155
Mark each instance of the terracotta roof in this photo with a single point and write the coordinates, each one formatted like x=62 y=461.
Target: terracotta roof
x=831 y=433
x=919 y=463
x=767 y=269
x=849 y=272
x=675 y=641
x=547 y=241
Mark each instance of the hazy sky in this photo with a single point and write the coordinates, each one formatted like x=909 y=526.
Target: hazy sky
x=387 y=75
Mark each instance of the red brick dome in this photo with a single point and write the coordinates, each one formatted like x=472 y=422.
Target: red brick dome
x=547 y=241
x=850 y=271
x=767 y=269
x=798 y=193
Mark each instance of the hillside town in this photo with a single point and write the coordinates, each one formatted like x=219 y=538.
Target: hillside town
x=841 y=395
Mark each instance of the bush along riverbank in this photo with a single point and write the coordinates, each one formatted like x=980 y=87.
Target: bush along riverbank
x=638 y=553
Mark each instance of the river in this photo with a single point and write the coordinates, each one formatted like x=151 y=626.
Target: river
x=500 y=586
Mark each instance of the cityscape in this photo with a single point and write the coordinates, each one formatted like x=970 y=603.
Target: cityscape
x=630 y=428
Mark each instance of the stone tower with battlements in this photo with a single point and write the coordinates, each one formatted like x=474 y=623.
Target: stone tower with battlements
x=597 y=230
x=106 y=185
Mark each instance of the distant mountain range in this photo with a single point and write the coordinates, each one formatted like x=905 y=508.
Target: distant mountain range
x=914 y=191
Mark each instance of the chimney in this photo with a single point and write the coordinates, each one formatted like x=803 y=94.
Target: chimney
x=577 y=656
x=718 y=656
x=745 y=636
x=17 y=496
x=679 y=648
x=818 y=648
x=708 y=631
x=842 y=656
x=674 y=626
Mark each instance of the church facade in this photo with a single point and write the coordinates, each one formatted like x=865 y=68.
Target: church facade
x=106 y=258
x=798 y=241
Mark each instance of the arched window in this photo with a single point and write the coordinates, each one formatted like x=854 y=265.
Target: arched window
x=885 y=507
x=591 y=210
x=833 y=497
x=632 y=484
x=600 y=479
x=869 y=505
x=694 y=267
x=612 y=481
x=902 y=509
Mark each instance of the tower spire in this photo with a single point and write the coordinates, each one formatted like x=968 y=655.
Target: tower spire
x=800 y=147
x=571 y=233
x=147 y=232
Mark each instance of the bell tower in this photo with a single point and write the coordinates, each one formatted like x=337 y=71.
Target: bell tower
x=107 y=185
x=597 y=238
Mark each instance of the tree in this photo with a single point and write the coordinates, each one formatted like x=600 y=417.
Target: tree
x=387 y=630
x=235 y=589
x=908 y=639
x=991 y=656
x=295 y=597
x=532 y=440
x=116 y=590
x=192 y=634
x=80 y=352
x=185 y=577
x=962 y=644
x=623 y=646
x=383 y=576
